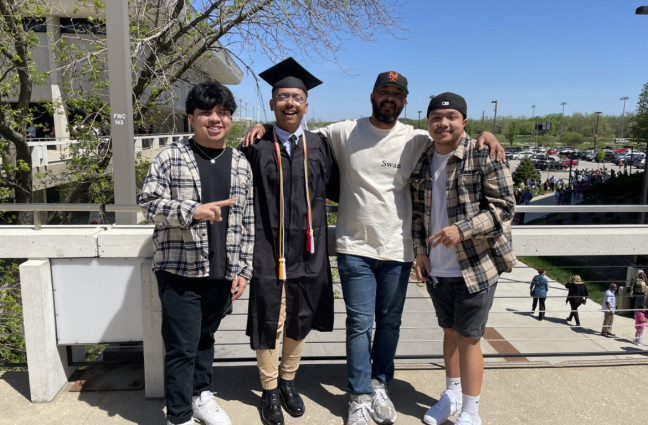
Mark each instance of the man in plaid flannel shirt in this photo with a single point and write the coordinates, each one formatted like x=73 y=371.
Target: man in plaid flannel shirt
x=199 y=195
x=464 y=200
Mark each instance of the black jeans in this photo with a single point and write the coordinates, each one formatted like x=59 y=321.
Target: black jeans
x=574 y=304
x=541 y=309
x=637 y=300
x=192 y=309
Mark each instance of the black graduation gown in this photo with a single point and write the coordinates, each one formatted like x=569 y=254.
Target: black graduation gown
x=309 y=290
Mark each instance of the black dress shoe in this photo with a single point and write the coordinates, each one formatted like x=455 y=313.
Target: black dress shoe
x=271 y=413
x=290 y=398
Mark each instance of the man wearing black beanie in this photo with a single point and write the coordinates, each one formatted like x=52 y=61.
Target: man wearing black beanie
x=464 y=200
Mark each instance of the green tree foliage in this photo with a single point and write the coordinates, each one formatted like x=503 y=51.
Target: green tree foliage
x=512 y=131
x=525 y=170
x=571 y=138
x=12 y=334
x=640 y=122
x=169 y=41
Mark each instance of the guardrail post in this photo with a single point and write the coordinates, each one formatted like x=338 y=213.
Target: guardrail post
x=47 y=363
x=152 y=327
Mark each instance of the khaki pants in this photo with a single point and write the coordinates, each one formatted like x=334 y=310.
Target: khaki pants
x=608 y=319
x=268 y=360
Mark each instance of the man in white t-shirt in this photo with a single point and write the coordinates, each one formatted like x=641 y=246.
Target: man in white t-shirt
x=463 y=205
x=376 y=157
x=609 y=307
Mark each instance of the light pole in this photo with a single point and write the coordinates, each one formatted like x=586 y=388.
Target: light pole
x=533 y=121
x=624 y=98
x=643 y=10
x=494 y=116
x=598 y=114
x=562 y=120
x=419 y=123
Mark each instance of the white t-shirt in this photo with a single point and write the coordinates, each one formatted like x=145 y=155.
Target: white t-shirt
x=609 y=298
x=443 y=261
x=375 y=212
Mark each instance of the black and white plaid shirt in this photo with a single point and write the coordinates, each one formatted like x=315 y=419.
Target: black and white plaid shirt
x=169 y=197
x=479 y=198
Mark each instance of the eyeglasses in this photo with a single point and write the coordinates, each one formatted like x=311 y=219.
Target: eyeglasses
x=297 y=100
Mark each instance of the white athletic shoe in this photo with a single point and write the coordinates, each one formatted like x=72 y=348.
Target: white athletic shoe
x=466 y=419
x=359 y=409
x=207 y=410
x=447 y=406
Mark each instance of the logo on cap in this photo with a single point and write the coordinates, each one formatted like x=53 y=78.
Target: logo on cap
x=393 y=76
x=445 y=103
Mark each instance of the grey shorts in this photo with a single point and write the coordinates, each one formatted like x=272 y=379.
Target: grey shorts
x=460 y=310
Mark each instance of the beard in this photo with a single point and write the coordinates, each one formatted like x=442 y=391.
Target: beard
x=386 y=118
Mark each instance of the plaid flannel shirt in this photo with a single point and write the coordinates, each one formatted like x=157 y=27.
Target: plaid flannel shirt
x=170 y=195
x=479 y=198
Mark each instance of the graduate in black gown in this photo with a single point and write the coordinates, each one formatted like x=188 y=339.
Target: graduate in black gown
x=291 y=288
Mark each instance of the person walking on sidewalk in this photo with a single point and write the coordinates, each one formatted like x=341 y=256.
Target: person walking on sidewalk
x=576 y=296
x=609 y=307
x=640 y=324
x=539 y=289
x=638 y=289
x=464 y=200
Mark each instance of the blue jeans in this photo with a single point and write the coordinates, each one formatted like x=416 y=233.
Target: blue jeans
x=372 y=288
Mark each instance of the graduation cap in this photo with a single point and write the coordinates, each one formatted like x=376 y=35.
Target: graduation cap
x=289 y=74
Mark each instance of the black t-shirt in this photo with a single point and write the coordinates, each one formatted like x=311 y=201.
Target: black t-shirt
x=214 y=166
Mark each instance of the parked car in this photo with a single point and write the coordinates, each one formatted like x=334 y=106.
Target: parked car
x=639 y=163
x=567 y=162
x=552 y=151
x=515 y=155
x=610 y=156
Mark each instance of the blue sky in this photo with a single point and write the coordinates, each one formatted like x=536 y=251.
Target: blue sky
x=520 y=53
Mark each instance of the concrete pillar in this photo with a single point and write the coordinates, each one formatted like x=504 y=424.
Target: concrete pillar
x=60 y=123
x=47 y=363
x=153 y=344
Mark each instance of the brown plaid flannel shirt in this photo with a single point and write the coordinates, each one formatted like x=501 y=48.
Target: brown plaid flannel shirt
x=479 y=197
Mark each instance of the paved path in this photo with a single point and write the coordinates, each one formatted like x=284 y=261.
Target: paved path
x=574 y=390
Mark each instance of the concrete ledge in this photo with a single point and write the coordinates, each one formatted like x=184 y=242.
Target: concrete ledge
x=580 y=240
x=49 y=242
x=135 y=241
x=126 y=241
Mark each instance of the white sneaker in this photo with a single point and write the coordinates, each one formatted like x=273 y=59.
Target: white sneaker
x=466 y=419
x=359 y=409
x=447 y=406
x=191 y=421
x=382 y=409
x=207 y=410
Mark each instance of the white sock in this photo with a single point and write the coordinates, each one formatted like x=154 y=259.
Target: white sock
x=470 y=405
x=454 y=385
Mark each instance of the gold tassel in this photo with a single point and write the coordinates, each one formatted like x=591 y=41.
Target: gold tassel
x=282 y=268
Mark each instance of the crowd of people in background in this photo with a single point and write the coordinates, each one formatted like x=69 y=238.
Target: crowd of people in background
x=564 y=193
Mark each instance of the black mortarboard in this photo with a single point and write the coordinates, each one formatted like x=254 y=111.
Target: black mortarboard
x=289 y=74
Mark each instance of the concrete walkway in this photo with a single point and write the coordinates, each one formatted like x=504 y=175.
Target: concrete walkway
x=578 y=389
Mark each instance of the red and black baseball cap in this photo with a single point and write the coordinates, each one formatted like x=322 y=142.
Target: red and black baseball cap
x=391 y=78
